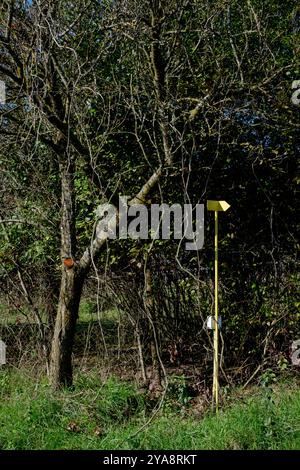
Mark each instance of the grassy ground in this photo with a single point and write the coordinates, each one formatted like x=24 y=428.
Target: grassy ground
x=87 y=313
x=110 y=415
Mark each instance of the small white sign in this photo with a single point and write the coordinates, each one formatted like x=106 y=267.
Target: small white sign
x=210 y=322
x=2 y=353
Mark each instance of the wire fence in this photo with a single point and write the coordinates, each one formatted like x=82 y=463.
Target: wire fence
x=23 y=342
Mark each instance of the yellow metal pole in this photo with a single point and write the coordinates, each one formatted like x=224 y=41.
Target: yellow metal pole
x=216 y=206
x=216 y=324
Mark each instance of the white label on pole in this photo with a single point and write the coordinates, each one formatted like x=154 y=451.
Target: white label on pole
x=210 y=323
x=2 y=353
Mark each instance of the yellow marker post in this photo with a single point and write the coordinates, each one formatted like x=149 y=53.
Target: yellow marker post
x=216 y=206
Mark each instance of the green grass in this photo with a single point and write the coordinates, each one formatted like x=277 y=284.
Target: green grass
x=88 y=312
x=11 y=316
x=109 y=415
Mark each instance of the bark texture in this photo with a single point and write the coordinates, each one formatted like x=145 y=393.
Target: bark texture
x=70 y=288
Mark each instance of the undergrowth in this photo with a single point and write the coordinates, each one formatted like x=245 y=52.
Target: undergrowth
x=113 y=414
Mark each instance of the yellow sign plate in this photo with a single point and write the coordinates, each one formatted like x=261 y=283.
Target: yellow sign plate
x=217 y=206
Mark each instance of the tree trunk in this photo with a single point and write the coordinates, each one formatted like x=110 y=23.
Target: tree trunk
x=61 y=371
x=72 y=279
